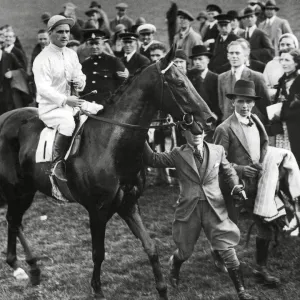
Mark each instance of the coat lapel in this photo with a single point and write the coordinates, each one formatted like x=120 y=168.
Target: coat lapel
x=212 y=157
x=238 y=131
x=246 y=74
x=187 y=154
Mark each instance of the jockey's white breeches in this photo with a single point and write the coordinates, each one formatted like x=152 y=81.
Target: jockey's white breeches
x=61 y=118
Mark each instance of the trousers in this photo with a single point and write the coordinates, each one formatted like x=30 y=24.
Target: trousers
x=223 y=235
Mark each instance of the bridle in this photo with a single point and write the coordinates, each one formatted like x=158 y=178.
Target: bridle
x=168 y=121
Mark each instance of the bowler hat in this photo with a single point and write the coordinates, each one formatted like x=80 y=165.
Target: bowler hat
x=244 y=88
x=248 y=12
x=186 y=14
x=223 y=18
x=57 y=20
x=233 y=14
x=95 y=4
x=214 y=7
x=180 y=54
x=200 y=50
x=128 y=36
x=271 y=4
x=202 y=14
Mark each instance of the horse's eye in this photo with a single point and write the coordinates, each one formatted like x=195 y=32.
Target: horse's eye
x=180 y=84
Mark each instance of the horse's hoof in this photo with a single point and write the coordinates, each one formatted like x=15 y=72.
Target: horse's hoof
x=35 y=276
x=20 y=274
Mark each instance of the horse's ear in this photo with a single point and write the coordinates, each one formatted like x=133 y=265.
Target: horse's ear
x=169 y=57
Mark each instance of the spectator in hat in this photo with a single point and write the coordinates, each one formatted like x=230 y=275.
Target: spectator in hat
x=225 y=37
x=73 y=44
x=146 y=35
x=274 y=70
x=186 y=38
x=212 y=32
x=132 y=59
x=238 y=54
x=45 y=17
x=139 y=21
x=100 y=19
x=252 y=64
x=95 y=4
x=274 y=26
x=261 y=46
x=121 y=17
x=180 y=60
x=204 y=81
x=157 y=51
x=104 y=73
x=202 y=18
x=235 y=23
x=116 y=42
x=43 y=41
x=257 y=6
x=245 y=141
x=70 y=12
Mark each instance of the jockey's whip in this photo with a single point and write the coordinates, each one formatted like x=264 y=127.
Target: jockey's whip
x=94 y=92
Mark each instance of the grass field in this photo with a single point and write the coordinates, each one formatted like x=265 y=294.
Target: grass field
x=126 y=273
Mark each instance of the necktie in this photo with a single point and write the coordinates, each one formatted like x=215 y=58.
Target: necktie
x=250 y=122
x=198 y=155
x=247 y=34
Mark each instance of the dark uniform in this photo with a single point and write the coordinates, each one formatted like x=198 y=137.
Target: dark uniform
x=101 y=75
x=137 y=61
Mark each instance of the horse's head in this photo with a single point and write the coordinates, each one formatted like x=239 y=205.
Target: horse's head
x=179 y=98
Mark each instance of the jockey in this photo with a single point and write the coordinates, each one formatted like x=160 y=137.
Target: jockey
x=55 y=69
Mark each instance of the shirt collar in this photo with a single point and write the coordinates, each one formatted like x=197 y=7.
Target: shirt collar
x=241 y=119
x=55 y=48
x=203 y=74
x=129 y=56
x=211 y=24
x=199 y=147
x=251 y=29
x=271 y=20
x=185 y=33
x=224 y=37
x=238 y=71
x=147 y=46
x=9 y=48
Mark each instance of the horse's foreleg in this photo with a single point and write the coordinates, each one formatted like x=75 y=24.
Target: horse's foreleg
x=97 y=226
x=135 y=223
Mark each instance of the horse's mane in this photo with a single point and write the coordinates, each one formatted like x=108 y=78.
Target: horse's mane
x=120 y=90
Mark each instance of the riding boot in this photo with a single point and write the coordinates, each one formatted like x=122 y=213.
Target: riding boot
x=261 y=272
x=237 y=278
x=174 y=271
x=218 y=261
x=60 y=148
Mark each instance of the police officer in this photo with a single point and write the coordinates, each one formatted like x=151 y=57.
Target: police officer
x=104 y=72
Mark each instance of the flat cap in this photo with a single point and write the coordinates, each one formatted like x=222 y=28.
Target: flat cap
x=57 y=20
x=180 y=54
x=214 y=7
x=202 y=14
x=122 y=5
x=146 y=28
x=92 y=10
x=95 y=4
x=185 y=13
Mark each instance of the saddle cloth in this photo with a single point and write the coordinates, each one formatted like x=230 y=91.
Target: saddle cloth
x=47 y=136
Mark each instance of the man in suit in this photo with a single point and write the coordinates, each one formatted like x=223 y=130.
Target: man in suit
x=121 y=18
x=261 y=45
x=104 y=73
x=201 y=204
x=252 y=64
x=273 y=25
x=235 y=23
x=238 y=54
x=146 y=34
x=212 y=32
x=187 y=37
x=225 y=37
x=245 y=142
x=132 y=60
x=10 y=47
x=204 y=81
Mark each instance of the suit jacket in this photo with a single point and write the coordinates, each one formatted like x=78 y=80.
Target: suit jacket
x=20 y=56
x=261 y=46
x=211 y=33
x=190 y=182
x=208 y=89
x=231 y=136
x=278 y=28
x=189 y=41
x=254 y=65
x=219 y=57
x=137 y=61
x=126 y=21
x=226 y=84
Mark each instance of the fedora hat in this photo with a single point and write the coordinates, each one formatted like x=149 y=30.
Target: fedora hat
x=271 y=4
x=244 y=88
x=200 y=50
x=233 y=14
x=248 y=12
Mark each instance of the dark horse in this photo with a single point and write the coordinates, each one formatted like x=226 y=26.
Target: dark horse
x=103 y=177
